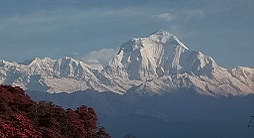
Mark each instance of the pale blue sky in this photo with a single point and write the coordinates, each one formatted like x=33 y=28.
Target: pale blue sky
x=223 y=29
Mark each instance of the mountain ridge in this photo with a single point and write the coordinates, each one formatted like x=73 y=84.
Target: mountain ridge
x=150 y=65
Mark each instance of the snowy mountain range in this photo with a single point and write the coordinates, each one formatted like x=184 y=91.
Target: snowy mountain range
x=156 y=64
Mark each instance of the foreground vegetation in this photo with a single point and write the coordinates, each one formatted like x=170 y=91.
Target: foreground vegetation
x=21 y=117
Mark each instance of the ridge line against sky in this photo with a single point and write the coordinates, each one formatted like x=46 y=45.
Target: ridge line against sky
x=222 y=29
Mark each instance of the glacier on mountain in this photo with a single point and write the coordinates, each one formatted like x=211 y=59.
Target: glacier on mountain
x=154 y=64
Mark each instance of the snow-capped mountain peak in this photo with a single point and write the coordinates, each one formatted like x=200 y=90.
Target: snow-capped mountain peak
x=149 y=57
x=154 y=64
x=162 y=55
x=165 y=37
x=159 y=38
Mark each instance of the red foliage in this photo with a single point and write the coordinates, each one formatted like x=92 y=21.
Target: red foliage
x=21 y=117
x=18 y=127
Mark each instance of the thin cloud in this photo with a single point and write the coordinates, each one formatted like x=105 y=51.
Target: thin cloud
x=75 y=53
x=174 y=16
x=54 y=21
x=193 y=14
x=103 y=55
x=67 y=16
x=166 y=17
